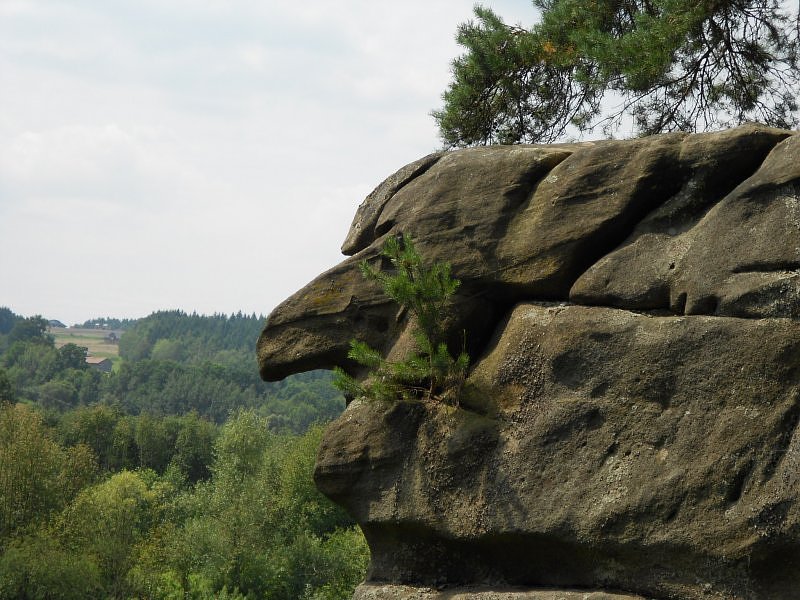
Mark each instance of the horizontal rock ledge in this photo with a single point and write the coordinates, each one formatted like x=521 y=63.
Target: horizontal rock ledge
x=377 y=591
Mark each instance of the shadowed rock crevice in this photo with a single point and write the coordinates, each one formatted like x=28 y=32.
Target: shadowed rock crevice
x=766 y=267
x=785 y=429
x=530 y=562
x=629 y=425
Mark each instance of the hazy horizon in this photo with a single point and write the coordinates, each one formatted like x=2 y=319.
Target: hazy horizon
x=96 y=318
x=206 y=156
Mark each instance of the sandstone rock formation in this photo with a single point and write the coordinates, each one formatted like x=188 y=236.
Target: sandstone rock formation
x=629 y=427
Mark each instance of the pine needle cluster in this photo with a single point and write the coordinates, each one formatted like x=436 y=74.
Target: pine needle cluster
x=431 y=372
x=653 y=65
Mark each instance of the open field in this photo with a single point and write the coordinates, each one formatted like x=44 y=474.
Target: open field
x=93 y=339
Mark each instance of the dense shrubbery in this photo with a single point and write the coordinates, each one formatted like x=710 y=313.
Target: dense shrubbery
x=179 y=478
x=255 y=528
x=258 y=526
x=119 y=441
x=37 y=475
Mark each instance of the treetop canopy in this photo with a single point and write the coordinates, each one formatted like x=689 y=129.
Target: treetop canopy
x=662 y=65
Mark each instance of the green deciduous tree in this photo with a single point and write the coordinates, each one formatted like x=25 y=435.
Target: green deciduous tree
x=105 y=521
x=665 y=64
x=38 y=566
x=93 y=426
x=6 y=389
x=258 y=528
x=32 y=329
x=194 y=446
x=30 y=363
x=57 y=395
x=72 y=356
x=125 y=452
x=37 y=476
x=431 y=372
x=7 y=320
x=166 y=349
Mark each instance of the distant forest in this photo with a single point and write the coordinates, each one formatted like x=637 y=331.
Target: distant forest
x=173 y=364
x=179 y=475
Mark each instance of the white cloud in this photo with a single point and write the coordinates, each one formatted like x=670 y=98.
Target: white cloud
x=202 y=155
x=105 y=164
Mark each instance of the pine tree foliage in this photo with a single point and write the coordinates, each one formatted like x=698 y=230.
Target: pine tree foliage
x=431 y=372
x=665 y=65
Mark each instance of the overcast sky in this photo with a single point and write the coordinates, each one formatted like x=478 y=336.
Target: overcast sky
x=204 y=155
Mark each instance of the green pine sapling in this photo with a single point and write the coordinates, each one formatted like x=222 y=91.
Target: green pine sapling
x=430 y=372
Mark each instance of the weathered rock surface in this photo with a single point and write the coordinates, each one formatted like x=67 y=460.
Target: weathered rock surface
x=404 y=592
x=630 y=422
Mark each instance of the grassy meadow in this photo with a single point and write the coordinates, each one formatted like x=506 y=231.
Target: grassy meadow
x=93 y=339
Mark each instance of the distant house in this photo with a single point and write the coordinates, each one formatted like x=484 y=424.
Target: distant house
x=111 y=338
x=55 y=323
x=101 y=364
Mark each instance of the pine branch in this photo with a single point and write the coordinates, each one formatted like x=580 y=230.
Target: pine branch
x=430 y=372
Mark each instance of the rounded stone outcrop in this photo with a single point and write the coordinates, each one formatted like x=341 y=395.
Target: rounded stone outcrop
x=594 y=447
x=560 y=222
x=710 y=250
x=629 y=425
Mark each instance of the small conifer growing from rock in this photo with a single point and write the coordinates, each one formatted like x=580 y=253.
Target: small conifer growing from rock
x=430 y=372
